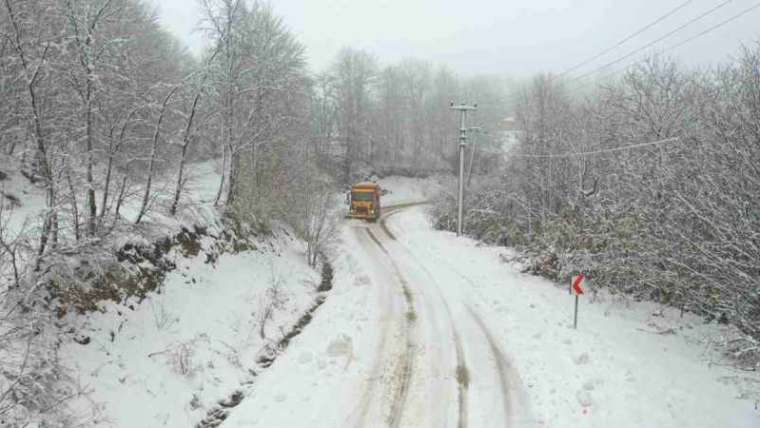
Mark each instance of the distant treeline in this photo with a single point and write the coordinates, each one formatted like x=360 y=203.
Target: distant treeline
x=397 y=118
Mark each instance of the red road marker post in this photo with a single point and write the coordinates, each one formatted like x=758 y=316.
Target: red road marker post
x=576 y=287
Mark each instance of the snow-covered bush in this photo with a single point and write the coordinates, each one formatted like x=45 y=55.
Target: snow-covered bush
x=650 y=185
x=270 y=302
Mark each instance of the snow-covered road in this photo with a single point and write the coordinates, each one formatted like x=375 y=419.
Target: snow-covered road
x=427 y=358
x=427 y=330
x=452 y=371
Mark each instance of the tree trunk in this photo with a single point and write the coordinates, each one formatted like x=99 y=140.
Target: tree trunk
x=185 y=144
x=113 y=149
x=91 y=205
x=234 y=172
x=224 y=174
x=120 y=198
x=153 y=153
x=74 y=208
x=107 y=185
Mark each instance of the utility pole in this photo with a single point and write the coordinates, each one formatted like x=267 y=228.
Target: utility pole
x=463 y=109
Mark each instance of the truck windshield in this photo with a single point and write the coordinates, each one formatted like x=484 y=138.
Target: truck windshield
x=361 y=196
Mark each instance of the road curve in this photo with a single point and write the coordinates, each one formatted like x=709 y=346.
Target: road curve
x=441 y=347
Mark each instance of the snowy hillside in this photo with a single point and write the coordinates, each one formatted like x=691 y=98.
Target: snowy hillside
x=222 y=310
x=171 y=359
x=21 y=200
x=24 y=201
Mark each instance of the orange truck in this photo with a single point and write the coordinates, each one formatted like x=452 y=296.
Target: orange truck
x=364 y=201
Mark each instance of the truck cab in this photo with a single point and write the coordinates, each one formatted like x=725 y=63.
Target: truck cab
x=364 y=201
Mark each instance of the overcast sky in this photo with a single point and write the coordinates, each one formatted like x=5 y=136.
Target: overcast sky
x=515 y=37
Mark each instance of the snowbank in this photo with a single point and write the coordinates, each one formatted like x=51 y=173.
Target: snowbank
x=402 y=190
x=189 y=347
x=170 y=359
x=317 y=382
x=629 y=364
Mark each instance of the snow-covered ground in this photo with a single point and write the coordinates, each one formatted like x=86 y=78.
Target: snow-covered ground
x=172 y=358
x=425 y=329
x=628 y=364
x=169 y=359
x=402 y=190
x=18 y=216
x=315 y=383
x=421 y=329
x=196 y=203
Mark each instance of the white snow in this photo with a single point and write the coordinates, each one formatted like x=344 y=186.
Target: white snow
x=402 y=190
x=19 y=218
x=196 y=202
x=168 y=361
x=324 y=368
x=629 y=364
x=615 y=370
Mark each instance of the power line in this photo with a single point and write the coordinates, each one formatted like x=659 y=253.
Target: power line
x=715 y=27
x=596 y=152
x=676 y=46
x=670 y=33
x=690 y=39
x=631 y=36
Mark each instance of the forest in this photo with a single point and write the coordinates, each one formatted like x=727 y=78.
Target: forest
x=108 y=114
x=647 y=180
x=648 y=183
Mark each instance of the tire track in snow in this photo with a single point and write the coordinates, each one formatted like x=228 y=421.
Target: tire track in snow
x=463 y=381
x=385 y=226
x=404 y=370
x=395 y=209
x=509 y=379
x=502 y=366
x=376 y=373
x=462 y=374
